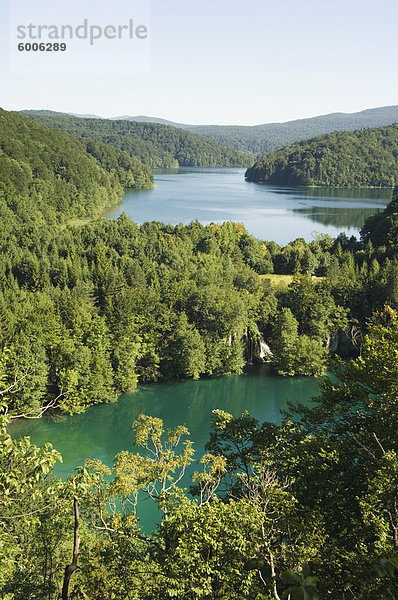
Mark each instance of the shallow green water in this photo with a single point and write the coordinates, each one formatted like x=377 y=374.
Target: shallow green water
x=104 y=430
x=269 y=212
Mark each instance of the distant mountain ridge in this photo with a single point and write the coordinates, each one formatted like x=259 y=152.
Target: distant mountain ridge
x=146 y=119
x=155 y=144
x=263 y=138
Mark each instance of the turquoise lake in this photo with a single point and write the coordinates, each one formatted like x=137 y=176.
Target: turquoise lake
x=105 y=429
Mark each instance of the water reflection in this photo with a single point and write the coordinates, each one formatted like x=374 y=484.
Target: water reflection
x=269 y=212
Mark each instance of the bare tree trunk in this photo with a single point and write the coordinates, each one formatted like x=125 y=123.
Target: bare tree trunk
x=70 y=569
x=273 y=574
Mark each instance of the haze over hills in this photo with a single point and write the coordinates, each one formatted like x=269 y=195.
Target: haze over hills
x=146 y=119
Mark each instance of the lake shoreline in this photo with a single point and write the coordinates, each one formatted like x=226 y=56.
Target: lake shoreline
x=273 y=213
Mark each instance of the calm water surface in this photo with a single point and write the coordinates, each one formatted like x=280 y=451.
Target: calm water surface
x=104 y=430
x=268 y=212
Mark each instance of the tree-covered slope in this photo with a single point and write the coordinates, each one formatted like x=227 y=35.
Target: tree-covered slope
x=382 y=228
x=272 y=136
x=365 y=158
x=263 y=138
x=155 y=144
x=48 y=172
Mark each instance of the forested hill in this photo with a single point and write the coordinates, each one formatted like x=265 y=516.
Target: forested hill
x=366 y=158
x=260 y=139
x=48 y=174
x=272 y=136
x=155 y=144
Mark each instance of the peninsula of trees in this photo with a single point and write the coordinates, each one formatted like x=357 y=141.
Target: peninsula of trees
x=366 y=158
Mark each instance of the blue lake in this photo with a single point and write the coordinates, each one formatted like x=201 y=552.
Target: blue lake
x=268 y=212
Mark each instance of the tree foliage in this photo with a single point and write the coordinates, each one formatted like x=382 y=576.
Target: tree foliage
x=154 y=144
x=306 y=509
x=265 y=138
x=363 y=158
x=51 y=176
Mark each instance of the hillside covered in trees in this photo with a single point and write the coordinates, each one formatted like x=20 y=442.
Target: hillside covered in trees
x=260 y=139
x=381 y=229
x=154 y=144
x=366 y=158
x=51 y=176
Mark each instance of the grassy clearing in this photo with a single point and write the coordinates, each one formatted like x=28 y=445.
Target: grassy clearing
x=278 y=280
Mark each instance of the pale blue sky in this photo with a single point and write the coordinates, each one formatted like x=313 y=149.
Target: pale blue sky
x=226 y=61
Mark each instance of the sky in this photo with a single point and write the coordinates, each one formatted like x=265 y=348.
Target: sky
x=214 y=61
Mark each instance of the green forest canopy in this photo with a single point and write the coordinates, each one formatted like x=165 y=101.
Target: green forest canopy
x=367 y=158
x=381 y=229
x=47 y=174
x=154 y=144
x=260 y=139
